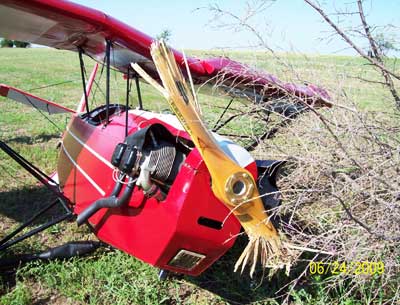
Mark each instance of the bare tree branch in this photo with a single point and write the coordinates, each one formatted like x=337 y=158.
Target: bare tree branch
x=349 y=41
x=378 y=55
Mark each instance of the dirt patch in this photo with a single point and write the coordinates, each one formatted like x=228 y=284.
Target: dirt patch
x=42 y=295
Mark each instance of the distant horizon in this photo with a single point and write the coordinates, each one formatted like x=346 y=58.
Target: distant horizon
x=36 y=46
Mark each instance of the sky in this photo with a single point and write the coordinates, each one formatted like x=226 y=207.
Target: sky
x=286 y=25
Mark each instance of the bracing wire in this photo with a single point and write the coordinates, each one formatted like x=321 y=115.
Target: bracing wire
x=53 y=85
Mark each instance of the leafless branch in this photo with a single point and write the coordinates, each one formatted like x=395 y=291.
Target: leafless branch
x=378 y=55
x=349 y=41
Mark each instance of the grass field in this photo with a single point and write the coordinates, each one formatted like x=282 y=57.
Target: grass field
x=112 y=277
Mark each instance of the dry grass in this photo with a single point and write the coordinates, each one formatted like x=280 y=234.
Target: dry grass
x=340 y=189
x=341 y=192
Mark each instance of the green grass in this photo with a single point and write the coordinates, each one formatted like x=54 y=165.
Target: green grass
x=338 y=74
x=101 y=281
x=114 y=277
x=20 y=295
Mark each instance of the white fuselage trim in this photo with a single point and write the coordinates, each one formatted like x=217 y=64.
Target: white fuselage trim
x=92 y=182
x=91 y=150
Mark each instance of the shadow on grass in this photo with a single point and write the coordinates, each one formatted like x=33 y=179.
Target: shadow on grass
x=20 y=204
x=16 y=207
x=236 y=288
x=29 y=140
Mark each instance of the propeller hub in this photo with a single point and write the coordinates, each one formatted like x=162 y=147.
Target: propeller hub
x=239 y=187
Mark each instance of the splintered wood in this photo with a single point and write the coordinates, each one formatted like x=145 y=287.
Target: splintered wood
x=231 y=184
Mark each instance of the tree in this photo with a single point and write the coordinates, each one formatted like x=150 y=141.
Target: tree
x=375 y=56
x=165 y=34
x=6 y=43
x=385 y=43
x=21 y=44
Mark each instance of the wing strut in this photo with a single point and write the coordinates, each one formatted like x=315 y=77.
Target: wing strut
x=128 y=91
x=82 y=64
x=139 y=94
x=108 y=53
x=89 y=84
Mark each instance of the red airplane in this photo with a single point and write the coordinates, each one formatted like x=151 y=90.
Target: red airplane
x=132 y=175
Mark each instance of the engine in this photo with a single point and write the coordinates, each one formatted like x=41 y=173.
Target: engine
x=150 y=156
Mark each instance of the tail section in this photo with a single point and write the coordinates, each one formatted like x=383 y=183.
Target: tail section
x=32 y=100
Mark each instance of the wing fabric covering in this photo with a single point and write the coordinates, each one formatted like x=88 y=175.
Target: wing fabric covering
x=32 y=100
x=69 y=26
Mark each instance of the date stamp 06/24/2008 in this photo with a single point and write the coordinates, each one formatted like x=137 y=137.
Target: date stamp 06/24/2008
x=355 y=268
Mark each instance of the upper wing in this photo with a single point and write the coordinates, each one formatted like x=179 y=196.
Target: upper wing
x=69 y=26
x=66 y=25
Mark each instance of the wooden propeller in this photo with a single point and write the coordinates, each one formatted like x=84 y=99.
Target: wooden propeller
x=231 y=184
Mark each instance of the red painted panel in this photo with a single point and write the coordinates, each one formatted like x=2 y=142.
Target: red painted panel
x=4 y=90
x=150 y=230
